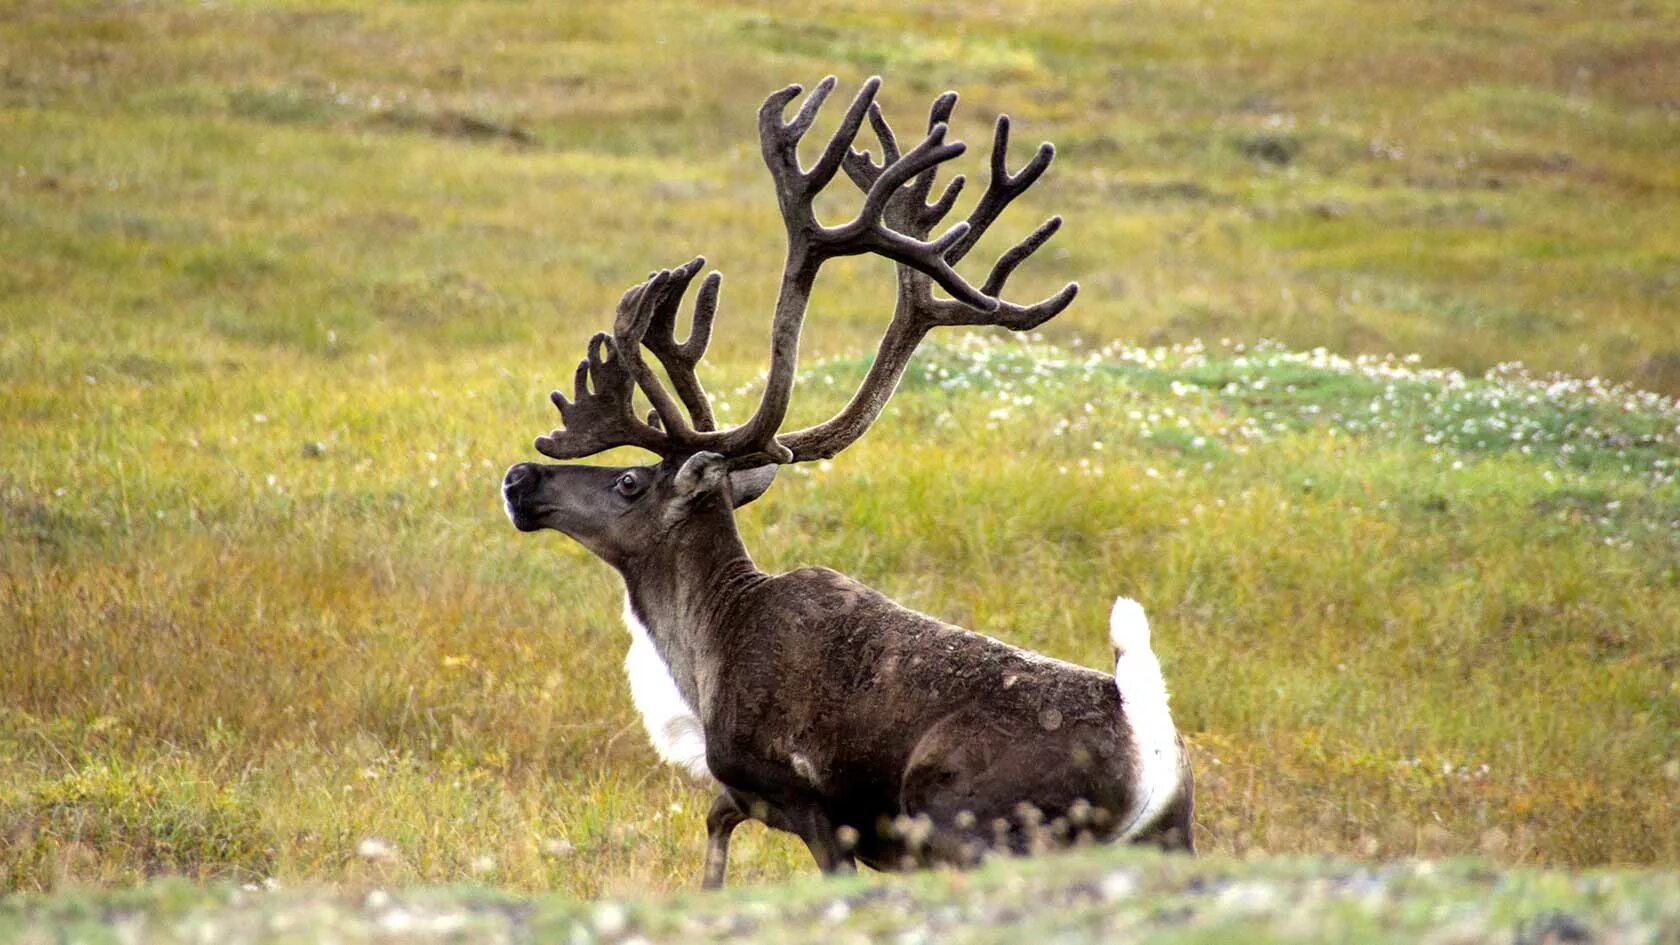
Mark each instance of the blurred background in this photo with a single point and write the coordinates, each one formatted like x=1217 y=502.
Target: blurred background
x=284 y=287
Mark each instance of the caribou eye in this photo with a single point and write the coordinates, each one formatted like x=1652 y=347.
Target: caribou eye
x=626 y=485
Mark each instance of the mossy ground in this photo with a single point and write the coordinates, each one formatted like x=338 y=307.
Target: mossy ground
x=1087 y=897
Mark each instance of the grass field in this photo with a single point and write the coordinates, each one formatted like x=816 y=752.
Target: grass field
x=284 y=286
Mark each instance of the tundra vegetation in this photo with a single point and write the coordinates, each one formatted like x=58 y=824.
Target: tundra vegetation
x=283 y=287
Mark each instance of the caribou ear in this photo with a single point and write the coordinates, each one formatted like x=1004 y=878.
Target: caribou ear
x=748 y=484
x=701 y=474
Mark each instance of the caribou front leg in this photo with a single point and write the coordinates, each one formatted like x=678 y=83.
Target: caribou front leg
x=731 y=809
x=721 y=821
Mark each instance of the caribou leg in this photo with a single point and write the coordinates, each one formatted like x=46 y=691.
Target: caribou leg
x=721 y=821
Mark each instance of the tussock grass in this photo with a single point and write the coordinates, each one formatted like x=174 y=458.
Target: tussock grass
x=283 y=288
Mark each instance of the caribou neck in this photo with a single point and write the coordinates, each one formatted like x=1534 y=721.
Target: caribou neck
x=679 y=587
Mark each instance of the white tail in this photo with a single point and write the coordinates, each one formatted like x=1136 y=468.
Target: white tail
x=1143 y=701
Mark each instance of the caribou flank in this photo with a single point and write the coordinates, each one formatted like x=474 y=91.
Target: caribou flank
x=814 y=703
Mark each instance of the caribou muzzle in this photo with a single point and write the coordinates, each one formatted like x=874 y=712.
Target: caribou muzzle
x=519 y=486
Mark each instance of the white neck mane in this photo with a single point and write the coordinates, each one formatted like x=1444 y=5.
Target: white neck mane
x=672 y=726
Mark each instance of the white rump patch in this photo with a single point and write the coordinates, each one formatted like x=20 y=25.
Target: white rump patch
x=672 y=726
x=1143 y=700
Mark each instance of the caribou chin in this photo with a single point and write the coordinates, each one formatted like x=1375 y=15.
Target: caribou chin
x=818 y=706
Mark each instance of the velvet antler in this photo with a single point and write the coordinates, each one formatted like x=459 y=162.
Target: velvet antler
x=895 y=222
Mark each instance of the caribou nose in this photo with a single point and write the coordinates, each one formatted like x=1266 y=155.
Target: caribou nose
x=517 y=476
x=518 y=485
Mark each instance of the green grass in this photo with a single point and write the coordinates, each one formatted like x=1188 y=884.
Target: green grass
x=284 y=286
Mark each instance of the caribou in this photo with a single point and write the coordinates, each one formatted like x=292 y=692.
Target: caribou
x=811 y=702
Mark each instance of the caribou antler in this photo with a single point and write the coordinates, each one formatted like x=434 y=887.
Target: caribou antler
x=918 y=311
x=894 y=221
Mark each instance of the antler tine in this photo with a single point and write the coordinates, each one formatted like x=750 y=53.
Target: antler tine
x=907 y=209
x=681 y=360
x=640 y=312
x=871 y=232
x=1003 y=188
x=1017 y=254
x=600 y=418
x=779 y=141
x=920 y=216
x=857 y=164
